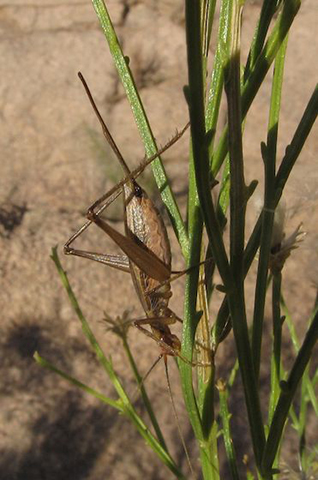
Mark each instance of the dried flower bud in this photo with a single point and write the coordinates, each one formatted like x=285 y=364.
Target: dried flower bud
x=281 y=246
x=281 y=251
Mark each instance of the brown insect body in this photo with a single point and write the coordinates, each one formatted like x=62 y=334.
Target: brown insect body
x=146 y=246
x=144 y=225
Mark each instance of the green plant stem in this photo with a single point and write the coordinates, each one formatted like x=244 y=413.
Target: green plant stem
x=216 y=85
x=144 y=394
x=201 y=161
x=212 y=113
x=205 y=380
x=195 y=232
x=142 y=122
x=269 y=158
x=46 y=364
x=205 y=374
x=228 y=442
x=276 y=351
x=238 y=197
x=269 y=8
x=306 y=379
x=237 y=187
x=208 y=11
x=288 y=390
x=294 y=148
x=302 y=422
x=262 y=65
x=190 y=321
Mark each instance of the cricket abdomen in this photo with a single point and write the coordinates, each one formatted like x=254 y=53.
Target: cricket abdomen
x=145 y=226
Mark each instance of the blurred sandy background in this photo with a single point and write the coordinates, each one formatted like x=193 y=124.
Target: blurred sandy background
x=53 y=166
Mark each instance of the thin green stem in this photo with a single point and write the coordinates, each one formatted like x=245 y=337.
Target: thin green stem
x=125 y=74
x=238 y=198
x=310 y=384
x=237 y=188
x=269 y=8
x=205 y=374
x=262 y=65
x=276 y=351
x=46 y=364
x=228 y=442
x=269 y=158
x=190 y=322
x=294 y=148
x=144 y=394
x=302 y=422
x=216 y=85
x=288 y=390
x=195 y=69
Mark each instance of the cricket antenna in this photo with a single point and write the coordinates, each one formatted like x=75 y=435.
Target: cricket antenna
x=144 y=378
x=105 y=130
x=177 y=419
x=139 y=388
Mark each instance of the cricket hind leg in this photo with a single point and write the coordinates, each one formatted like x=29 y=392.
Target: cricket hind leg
x=111 y=197
x=120 y=262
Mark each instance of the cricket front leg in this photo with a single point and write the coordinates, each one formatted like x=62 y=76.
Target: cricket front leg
x=167 y=341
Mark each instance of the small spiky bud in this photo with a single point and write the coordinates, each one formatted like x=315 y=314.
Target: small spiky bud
x=282 y=246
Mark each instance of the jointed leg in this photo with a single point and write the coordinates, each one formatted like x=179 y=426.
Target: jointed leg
x=112 y=195
x=120 y=262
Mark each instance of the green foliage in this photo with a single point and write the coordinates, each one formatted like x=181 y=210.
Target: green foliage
x=203 y=95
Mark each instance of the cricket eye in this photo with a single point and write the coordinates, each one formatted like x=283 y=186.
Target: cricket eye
x=138 y=190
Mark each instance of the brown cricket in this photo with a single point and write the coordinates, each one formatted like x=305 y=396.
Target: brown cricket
x=146 y=247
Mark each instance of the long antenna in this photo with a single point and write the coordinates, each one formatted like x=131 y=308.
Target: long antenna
x=144 y=378
x=172 y=403
x=177 y=419
x=106 y=132
x=138 y=170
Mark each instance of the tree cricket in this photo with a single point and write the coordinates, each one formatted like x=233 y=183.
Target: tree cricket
x=146 y=247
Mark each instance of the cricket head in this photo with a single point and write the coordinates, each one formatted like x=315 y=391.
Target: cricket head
x=170 y=345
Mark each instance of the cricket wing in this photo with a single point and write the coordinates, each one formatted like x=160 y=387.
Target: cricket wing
x=137 y=252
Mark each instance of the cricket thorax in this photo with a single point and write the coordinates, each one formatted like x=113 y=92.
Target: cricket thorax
x=152 y=233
